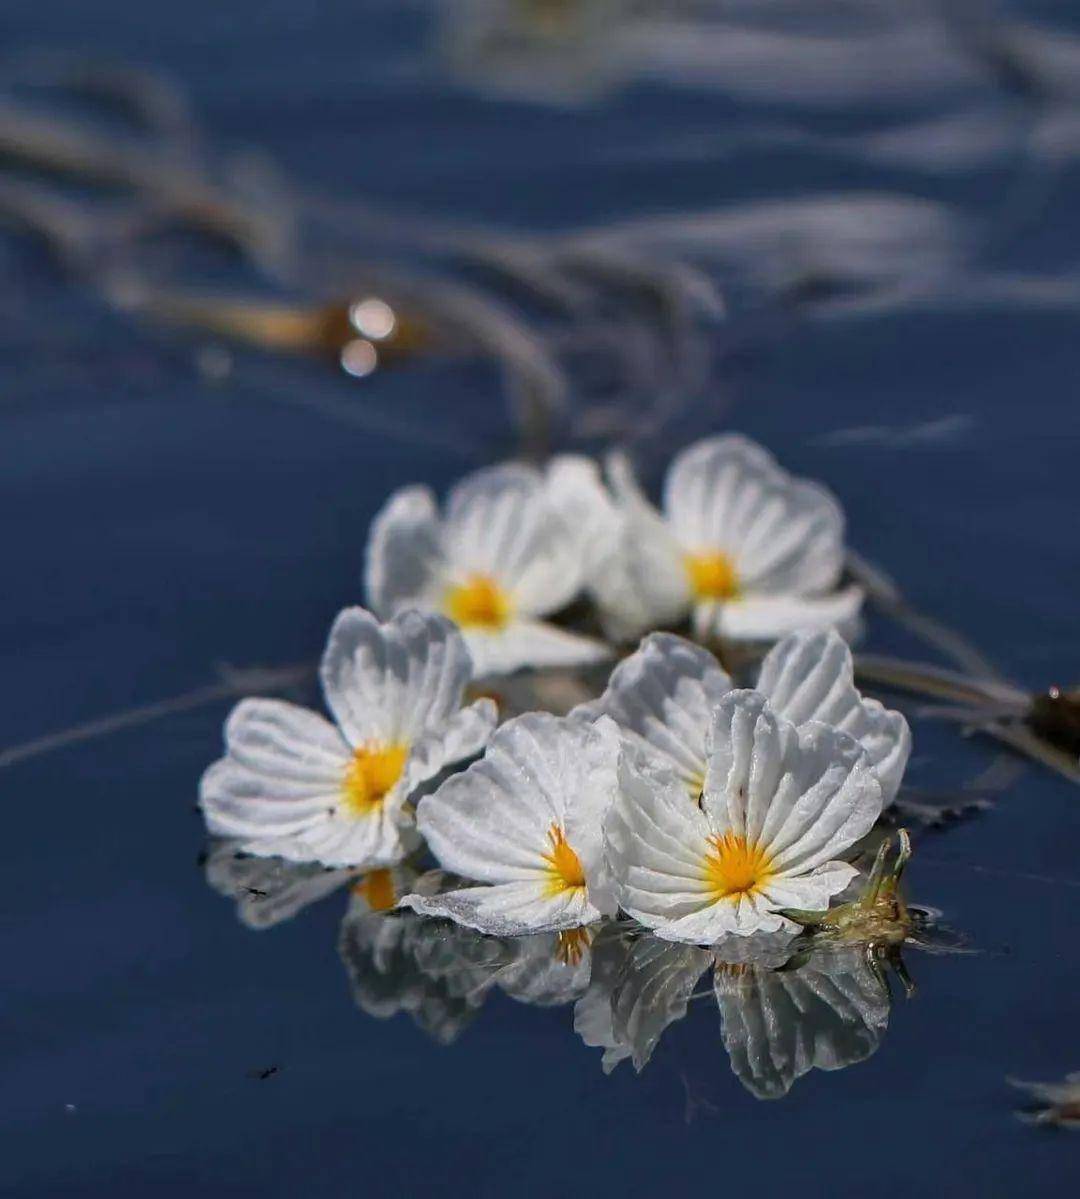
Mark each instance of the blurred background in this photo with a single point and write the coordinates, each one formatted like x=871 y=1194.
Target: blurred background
x=263 y=263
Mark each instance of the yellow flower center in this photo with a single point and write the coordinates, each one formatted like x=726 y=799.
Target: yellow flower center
x=712 y=576
x=571 y=945
x=371 y=776
x=479 y=602
x=564 y=867
x=377 y=888
x=733 y=867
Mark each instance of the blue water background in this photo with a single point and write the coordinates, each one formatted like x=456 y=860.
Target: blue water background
x=154 y=525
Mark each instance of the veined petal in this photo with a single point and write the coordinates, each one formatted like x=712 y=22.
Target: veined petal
x=464 y=735
x=793 y=544
x=656 y=846
x=394 y=681
x=711 y=484
x=404 y=562
x=380 y=839
x=237 y=801
x=575 y=489
x=832 y=800
x=508 y=909
x=797 y=797
x=662 y=698
x=530 y=643
x=740 y=915
x=781 y=535
x=749 y=754
x=810 y=676
x=501 y=525
x=285 y=741
x=768 y=617
x=543 y=781
x=809 y=892
x=640 y=583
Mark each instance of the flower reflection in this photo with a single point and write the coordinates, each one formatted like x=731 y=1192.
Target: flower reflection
x=788 y=1002
x=777 y=1025
x=269 y=891
x=782 y=1014
x=441 y=973
x=1057 y=1104
x=400 y=962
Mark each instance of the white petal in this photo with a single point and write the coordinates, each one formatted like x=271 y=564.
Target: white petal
x=768 y=617
x=810 y=676
x=784 y=535
x=576 y=491
x=662 y=698
x=641 y=582
x=530 y=643
x=829 y=800
x=750 y=756
x=501 y=524
x=492 y=822
x=404 y=566
x=737 y=915
x=707 y=487
x=804 y=795
x=657 y=841
x=394 y=681
x=285 y=741
x=590 y=767
x=508 y=909
x=240 y=802
x=810 y=892
x=464 y=735
x=381 y=839
x=793 y=543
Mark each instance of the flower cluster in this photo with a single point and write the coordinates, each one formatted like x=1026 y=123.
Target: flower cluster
x=697 y=808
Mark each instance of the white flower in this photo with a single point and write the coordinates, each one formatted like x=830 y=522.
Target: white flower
x=664 y=695
x=779 y=803
x=745 y=549
x=525 y=821
x=293 y=785
x=512 y=546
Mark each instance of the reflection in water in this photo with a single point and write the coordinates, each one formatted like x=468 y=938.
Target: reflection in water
x=1056 y=1104
x=787 y=1004
x=781 y=1014
x=268 y=890
x=400 y=962
x=828 y=1013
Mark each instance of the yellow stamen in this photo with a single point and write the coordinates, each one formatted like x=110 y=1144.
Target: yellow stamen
x=371 y=776
x=377 y=888
x=712 y=576
x=733 y=867
x=571 y=945
x=479 y=602
x=564 y=867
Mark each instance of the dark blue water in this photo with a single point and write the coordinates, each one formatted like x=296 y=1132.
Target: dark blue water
x=155 y=525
